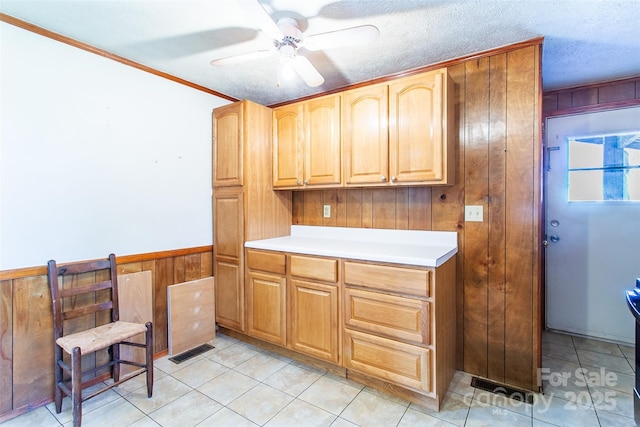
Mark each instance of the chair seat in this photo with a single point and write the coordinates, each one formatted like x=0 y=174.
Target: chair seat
x=100 y=337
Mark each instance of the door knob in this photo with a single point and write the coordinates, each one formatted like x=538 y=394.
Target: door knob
x=554 y=238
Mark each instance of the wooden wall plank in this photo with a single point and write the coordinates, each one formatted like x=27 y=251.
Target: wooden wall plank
x=341 y=208
x=312 y=207
x=383 y=207
x=402 y=208
x=6 y=345
x=191 y=267
x=354 y=207
x=206 y=264
x=297 y=208
x=614 y=93
x=495 y=217
x=33 y=336
x=164 y=278
x=367 y=208
x=519 y=219
x=476 y=233
x=419 y=206
x=178 y=269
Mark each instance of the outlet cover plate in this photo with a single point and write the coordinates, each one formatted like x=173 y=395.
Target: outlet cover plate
x=327 y=211
x=473 y=213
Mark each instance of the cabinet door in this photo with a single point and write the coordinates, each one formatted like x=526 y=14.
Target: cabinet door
x=228 y=145
x=228 y=238
x=417 y=137
x=266 y=306
x=365 y=135
x=322 y=147
x=314 y=319
x=288 y=159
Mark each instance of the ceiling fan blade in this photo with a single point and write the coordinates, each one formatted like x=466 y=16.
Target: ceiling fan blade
x=236 y=59
x=307 y=71
x=353 y=36
x=262 y=18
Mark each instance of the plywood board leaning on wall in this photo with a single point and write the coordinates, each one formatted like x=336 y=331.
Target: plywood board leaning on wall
x=135 y=301
x=191 y=310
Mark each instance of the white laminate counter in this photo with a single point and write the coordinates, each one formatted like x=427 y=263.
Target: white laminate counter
x=421 y=248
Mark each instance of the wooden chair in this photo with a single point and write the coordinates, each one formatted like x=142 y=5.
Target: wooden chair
x=91 y=304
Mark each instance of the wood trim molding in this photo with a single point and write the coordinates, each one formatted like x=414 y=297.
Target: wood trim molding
x=92 y=49
x=451 y=62
x=125 y=259
x=592 y=108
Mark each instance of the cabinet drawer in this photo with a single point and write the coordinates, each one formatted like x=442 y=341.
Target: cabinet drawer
x=396 y=317
x=388 y=279
x=272 y=262
x=325 y=269
x=399 y=363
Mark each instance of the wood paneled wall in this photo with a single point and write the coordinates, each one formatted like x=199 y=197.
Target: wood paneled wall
x=498 y=103
x=614 y=94
x=26 y=326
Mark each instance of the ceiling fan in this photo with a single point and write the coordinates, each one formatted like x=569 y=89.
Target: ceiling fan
x=287 y=39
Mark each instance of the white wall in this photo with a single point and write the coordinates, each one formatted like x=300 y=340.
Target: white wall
x=97 y=157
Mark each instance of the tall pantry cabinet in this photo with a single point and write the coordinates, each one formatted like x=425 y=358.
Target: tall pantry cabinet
x=245 y=207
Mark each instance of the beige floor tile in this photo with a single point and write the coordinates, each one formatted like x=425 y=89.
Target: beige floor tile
x=602 y=360
x=609 y=419
x=227 y=387
x=485 y=415
x=198 y=373
x=37 y=417
x=341 y=422
x=301 y=414
x=557 y=338
x=169 y=367
x=87 y=406
x=329 y=394
x=165 y=390
x=597 y=346
x=454 y=409
x=260 y=404
x=413 y=418
x=137 y=382
x=368 y=409
x=608 y=400
x=117 y=413
x=144 y=422
x=461 y=384
x=261 y=366
x=186 y=411
x=559 y=351
x=563 y=413
x=292 y=380
x=485 y=398
x=234 y=355
x=226 y=417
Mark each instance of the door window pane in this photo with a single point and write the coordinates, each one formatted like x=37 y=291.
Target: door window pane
x=605 y=167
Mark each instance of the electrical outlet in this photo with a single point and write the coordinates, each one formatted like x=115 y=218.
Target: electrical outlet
x=327 y=211
x=473 y=213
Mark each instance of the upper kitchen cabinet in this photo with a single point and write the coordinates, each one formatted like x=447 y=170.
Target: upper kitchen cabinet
x=399 y=133
x=365 y=135
x=228 y=140
x=307 y=149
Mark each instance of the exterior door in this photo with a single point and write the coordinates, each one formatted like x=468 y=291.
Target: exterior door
x=592 y=222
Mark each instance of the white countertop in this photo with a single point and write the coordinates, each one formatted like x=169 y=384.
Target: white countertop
x=421 y=248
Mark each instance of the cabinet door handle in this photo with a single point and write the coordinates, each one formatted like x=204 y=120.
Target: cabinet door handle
x=298 y=182
x=383 y=178
x=306 y=182
x=393 y=179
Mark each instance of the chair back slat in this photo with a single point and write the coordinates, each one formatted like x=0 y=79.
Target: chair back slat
x=87 y=309
x=83 y=267
x=85 y=289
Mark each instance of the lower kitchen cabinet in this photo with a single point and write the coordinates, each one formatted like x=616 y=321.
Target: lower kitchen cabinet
x=266 y=296
x=388 y=325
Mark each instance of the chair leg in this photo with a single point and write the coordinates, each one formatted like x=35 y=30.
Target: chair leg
x=57 y=372
x=76 y=386
x=149 y=358
x=116 y=365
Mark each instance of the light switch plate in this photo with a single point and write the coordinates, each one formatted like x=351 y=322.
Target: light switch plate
x=473 y=213
x=327 y=211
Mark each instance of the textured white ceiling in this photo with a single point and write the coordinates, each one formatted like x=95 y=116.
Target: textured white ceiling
x=585 y=41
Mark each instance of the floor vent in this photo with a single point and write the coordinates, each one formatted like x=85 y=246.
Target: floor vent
x=513 y=393
x=191 y=353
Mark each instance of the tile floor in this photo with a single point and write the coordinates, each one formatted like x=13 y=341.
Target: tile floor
x=586 y=383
